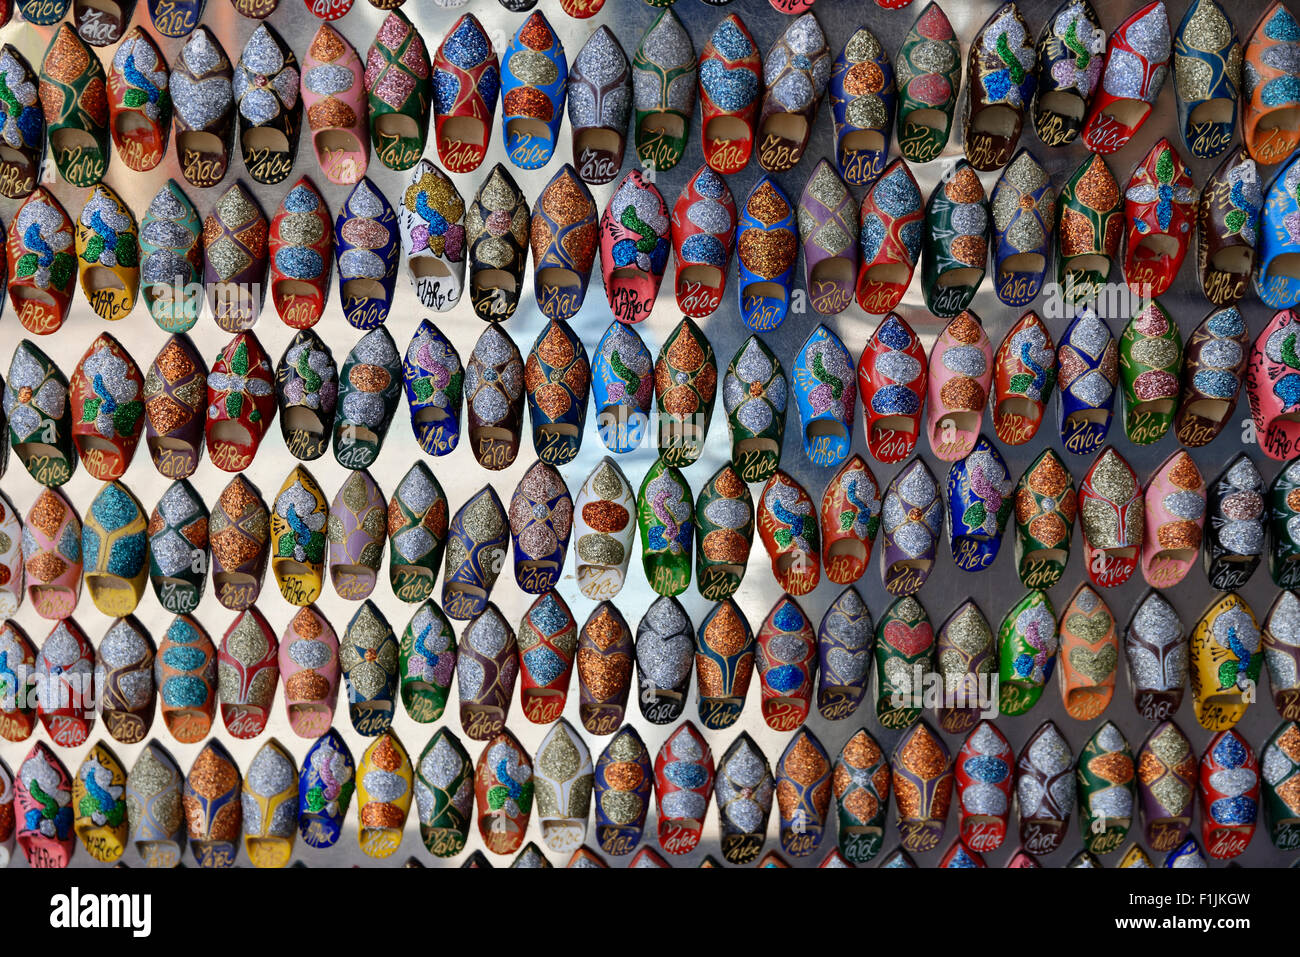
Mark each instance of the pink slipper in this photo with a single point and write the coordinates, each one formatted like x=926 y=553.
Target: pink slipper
x=309 y=665
x=961 y=371
x=337 y=114
x=52 y=555
x=1175 y=519
x=1273 y=385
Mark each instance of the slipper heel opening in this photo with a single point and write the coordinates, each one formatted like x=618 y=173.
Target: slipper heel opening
x=1064 y=103
x=1127 y=113
x=1212 y=112
x=999 y=121
x=486 y=280
x=1287 y=265
x=959 y=277
x=598 y=139
x=264 y=139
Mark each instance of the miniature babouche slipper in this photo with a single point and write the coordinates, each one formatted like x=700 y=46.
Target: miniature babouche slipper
x=755 y=395
x=1045 y=506
x=1207 y=78
x=334 y=93
x=370 y=386
x=241 y=403
x=686 y=381
x=202 y=91
x=1024 y=216
x=185 y=672
x=744 y=788
x=139 y=101
x=1150 y=360
x=1045 y=790
x=979 y=504
x=466 y=79
x=564 y=778
x=248 y=671
x=1234 y=529
x=683 y=774
x=983 y=772
x=557 y=379
x=175 y=404
x=266 y=91
x=477 y=539
x=564 y=237
x=1175 y=517
x=40 y=417
x=1024 y=374
x=1088 y=372
x=417 y=533
x=904 y=643
x=863 y=98
x=1268 y=91
x=444 y=794
x=41 y=263
x=494 y=399
x=828 y=231
x=1229 y=790
x=961 y=374
x=298 y=537
x=434 y=383
x=724 y=514
x=1224 y=662
x=1166 y=786
x=704 y=225
x=891 y=227
x=368 y=655
x=23 y=120
x=730 y=83
x=1071 y=49
x=171 y=259
x=892 y=380
x=921 y=767
x=42 y=806
x=955 y=254
x=622 y=385
x=547 y=640
x=767 y=252
x=1028 y=642
x=306 y=392
x=1089 y=654
x=1227 y=229
x=541 y=519
x=967 y=654
x=399 y=93
x=1282 y=653
x=64 y=670
x=11 y=561
x=1277 y=280
x=599 y=103
x=666 y=516
x=1002 y=77
x=235 y=258
x=604 y=666
x=211 y=801
x=664 y=646
x=497 y=231
x=74 y=95
x=40 y=14
x=796 y=71
x=634 y=245
x=308 y=662
x=99 y=796
x=239 y=536
x=426 y=660
x=850 y=518
x=664 y=72
x=1090 y=227
x=1111 y=517
x=1107 y=790
x=724 y=664
x=844 y=639
x=270 y=806
x=367 y=246
x=155 y=818
x=788 y=525
x=1160 y=207
x=533 y=83
x=124 y=668
x=431 y=215
x=825 y=390
x=928 y=68
x=1280 y=806
x=911 y=520
x=107 y=411
x=1214 y=367
x=114 y=549
x=1283 y=540
x=604 y=531
x=108 y=254
x=503 y=793
x=1137 y=64
x=803 y=789
x=178 y=548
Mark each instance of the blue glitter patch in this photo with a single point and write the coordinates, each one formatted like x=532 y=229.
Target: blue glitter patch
x=1216 y=383
x=127 y=556
x=183 y=658
x=871 y=238
x=788 y=618
x=1229 y=752
x=70 y=544
x=89 y=548
x=544 y=665
x=299 y=262
x=1281 y=91
x=547 y=617
x=467 y=47
x=911 y=234
x=961 y=860
x=784 y=678
x=895 y=400
x=896 y=194
x=710 y=185
x=181 y=631
x=113 y=508
x=301 y=200
x=489 y=84
x=731 y=90
x=1237 y=810
x=987 y=768
x=997 y=85
x=624 y=252
x=659 y=258
x=703 y=248
x=685 y=774
x=892 y=334
x=1227 y=324
x=184 y=692
x=728 y=40
x=446 y=87
x=1282 y=26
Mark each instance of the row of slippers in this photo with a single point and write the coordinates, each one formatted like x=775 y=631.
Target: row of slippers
x=275 y=804
x=1075 y=83
x=1241 y=231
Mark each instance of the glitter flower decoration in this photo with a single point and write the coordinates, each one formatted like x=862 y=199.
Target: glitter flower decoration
x=1164 y=192
x=1038 y=627
x=1235 y=632
x=435 y=201
x=137 y=60
x=305 y=540
x=514 y=791
x=1031 y=347
x=316 y=384
x=261 y=70
x=239 y=385
x=115 y=406
x=1087 y=43
x=49 y=263
x=1005 y=40
x=672 y=530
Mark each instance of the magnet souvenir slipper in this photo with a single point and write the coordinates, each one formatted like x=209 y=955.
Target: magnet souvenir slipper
x=211 y=801
x=426 y=660
x=1207 y=77
x=724 y=514
x=175 y=408
x=185 y=672
x=979 y=504
x=966 y=652
x=911 y=520
x=108 y=254
x=107 y=412
x=241 y=403
x=124 y=668
x=74 y=95
x=683 y=785
x=704 y=224
x=1175 y=517
x=828 y=231
x=984 y=777
x=266 y=91
x=664 y=75
x=1002 y=78
x=961 y=373
x=1277 y=275
x=1273 y=386
x=541 y=518
x=300 y=250
x=744 y=789
x=623 y=782
x=98 y=794
x=1281 y=759
x=534 y=73
x=1229 y=791
x=928 y=68
x=298 y=537
x=686 y=380
x=922 y=783
x=42 y=803
x=724 y=664
x=1024 y=215
x=1045 y=505
x=467 y=77
x=1071 y=49
x=1227 y=229
x=730 y=83
x=956 y=241
x=178 y=548
x=1270 y=98
x=1137 y=65
x=171 y=259
x=563 y=779
x=1088 y=372
x=240 y=540
x=270 y=815
x=1282 y=653
x=1160 y=207
x=564 y=237
x=202 y=91
x=825 y=390
x=1045 y=790
x=476 y=549
x=52 y=561
x=1214 y=367
x=634 y=246
x=850 y=519
x=1111 y=517
x=444 y=794
x=1090 y=227
x=863 y=98
x=399 y=93
x=1225 y=662
x=22 y=119
x=487 y=663
x=367 y=247
x=370 y=386
x=796 y=71
x=40 y=416
x=603 y=532
x=755 y=394
x=248 y=671
x=599 y=103
x=557 y=379
x=494 y=399
x=803 y=794
x=431 y=215
x=42 y=263
x=666 y=516
x=905 y=649
x=788 y=526
x=1107 y=790
x=892 y=380
x=334 y=93
x=604 y=666
x=235 y=258
x=417 y=534
x=1234 y=530
x=767 y=251
x=65 y=669
x=664 y=652
x=547 y=640
x=139 y=101
x=1166 y=786
x=434 y=383
x=1150 y=359
x=368 y=656
x=496 y=228
x=844 y=640
x=889 y=239
x=1024 y=374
